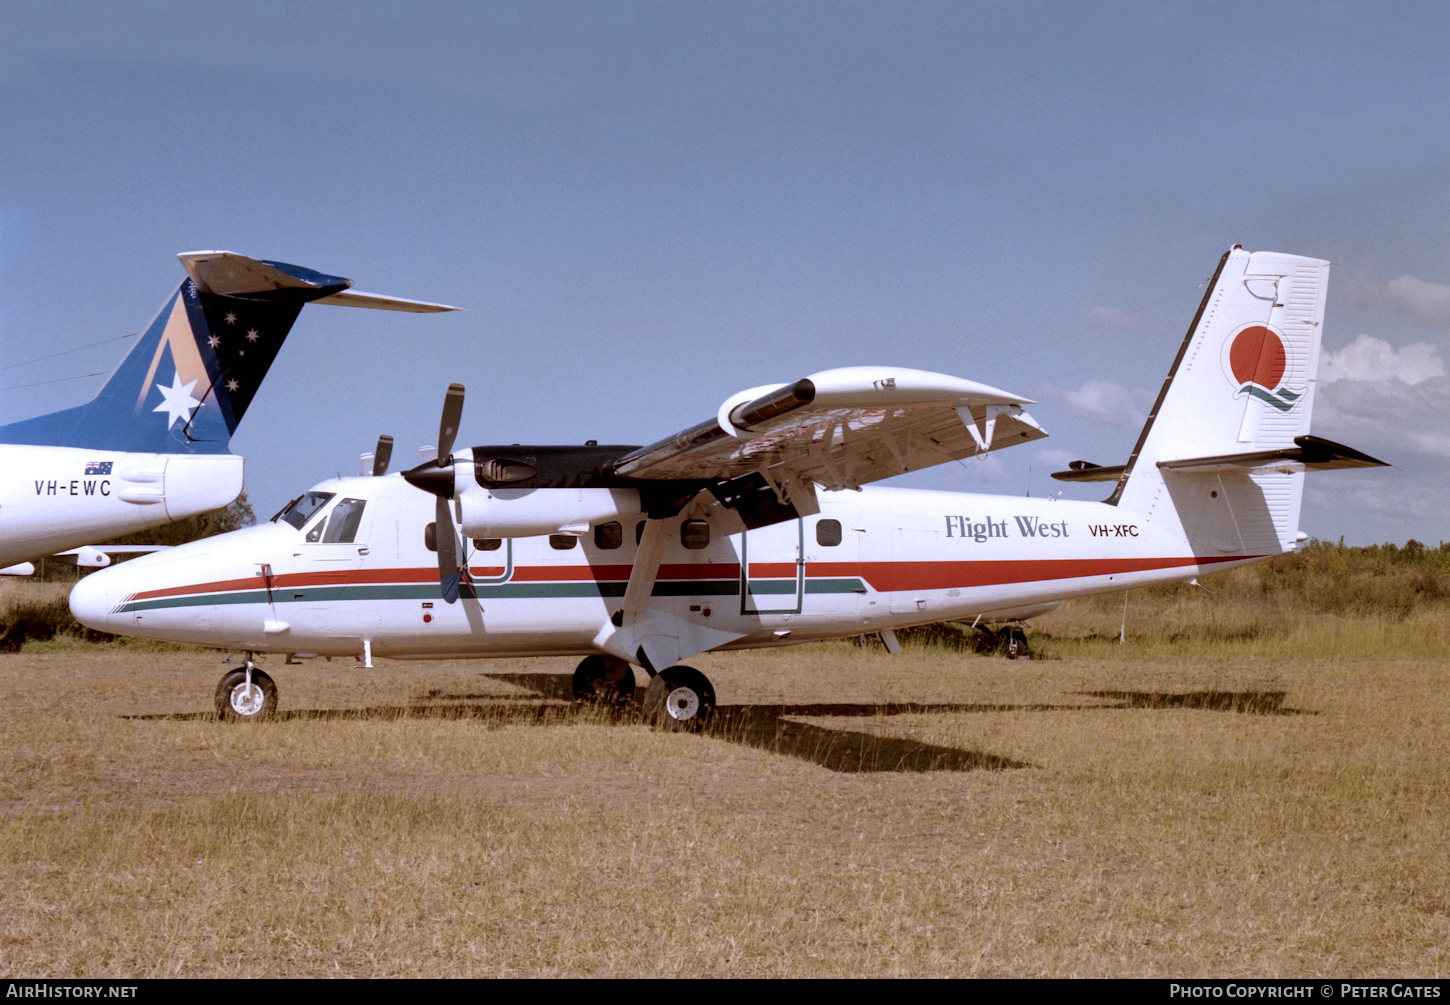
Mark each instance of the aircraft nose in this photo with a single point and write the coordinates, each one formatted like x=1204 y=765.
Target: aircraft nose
x=95 y=599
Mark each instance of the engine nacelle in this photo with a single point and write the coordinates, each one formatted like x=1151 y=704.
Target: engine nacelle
x=524 y=512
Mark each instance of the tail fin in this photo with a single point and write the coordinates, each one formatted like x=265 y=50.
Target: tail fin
x=1226 y=446
x=188 y=381
x=1244 y=377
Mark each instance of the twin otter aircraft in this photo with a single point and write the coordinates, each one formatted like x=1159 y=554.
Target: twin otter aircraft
x=752 y=529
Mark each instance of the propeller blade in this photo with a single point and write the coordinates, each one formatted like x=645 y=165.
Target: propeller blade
x=382 y=455
x=448 y=428
x=447 y=552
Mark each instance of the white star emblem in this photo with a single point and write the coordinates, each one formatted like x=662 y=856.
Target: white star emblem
x=252 y=335
x=213 y=341
x=232 y=385
x=177 y=400
x=231 y=318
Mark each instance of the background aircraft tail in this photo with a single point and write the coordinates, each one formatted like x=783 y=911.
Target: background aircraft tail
x=1226 y=446
x=191 y=376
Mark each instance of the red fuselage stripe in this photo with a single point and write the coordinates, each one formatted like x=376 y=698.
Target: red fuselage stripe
x=883 y=577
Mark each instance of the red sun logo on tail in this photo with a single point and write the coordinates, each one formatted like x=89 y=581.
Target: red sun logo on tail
x=1258 y=359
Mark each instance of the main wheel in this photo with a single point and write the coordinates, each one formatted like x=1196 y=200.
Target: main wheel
x=679 y=698
x=603 y=680
x=1014 y=642
x=234 y=703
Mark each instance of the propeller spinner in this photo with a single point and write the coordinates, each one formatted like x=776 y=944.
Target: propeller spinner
x=436 y=476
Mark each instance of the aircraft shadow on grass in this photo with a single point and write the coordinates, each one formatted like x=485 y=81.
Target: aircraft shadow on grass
x=1251 y=702
x=773 y=727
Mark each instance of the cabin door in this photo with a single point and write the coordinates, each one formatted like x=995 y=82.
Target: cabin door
x=772 y=569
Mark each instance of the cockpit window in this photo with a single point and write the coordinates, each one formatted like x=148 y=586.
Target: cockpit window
x=301 y=509
x=342 y=525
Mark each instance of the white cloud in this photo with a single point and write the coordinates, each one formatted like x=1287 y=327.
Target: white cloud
x=1387 y=418
x=1371 y=359
x=1389 y=491
x=1112 y=316
x=1101 y=401
x=1427 y=303
x=1053 y=458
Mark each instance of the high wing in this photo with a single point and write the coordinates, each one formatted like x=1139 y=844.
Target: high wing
x=839 y=429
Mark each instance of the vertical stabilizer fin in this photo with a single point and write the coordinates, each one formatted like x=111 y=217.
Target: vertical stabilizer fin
x=1243 y=383
x=189 y=379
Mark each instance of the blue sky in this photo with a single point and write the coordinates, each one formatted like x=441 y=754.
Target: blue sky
x=647 y=207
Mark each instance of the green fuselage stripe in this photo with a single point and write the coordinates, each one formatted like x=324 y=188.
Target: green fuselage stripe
x=498 y=591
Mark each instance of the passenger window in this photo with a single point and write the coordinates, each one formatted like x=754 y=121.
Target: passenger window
x=562 y=542
x=608 y=536
x=430 y=537
x=695 y=534
x=639 y=532
x=342 y=525
x=487 y=543
x=828 y=533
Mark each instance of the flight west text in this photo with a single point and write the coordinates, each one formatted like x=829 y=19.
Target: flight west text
x=987 y=527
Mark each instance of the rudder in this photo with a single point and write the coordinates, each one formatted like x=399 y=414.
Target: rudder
x=1240 y=393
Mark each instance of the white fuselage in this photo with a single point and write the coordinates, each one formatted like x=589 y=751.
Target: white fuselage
x=54 y=499
x=904 y=557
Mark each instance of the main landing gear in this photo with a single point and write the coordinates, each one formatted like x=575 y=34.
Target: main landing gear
x=240 y=700
x=604 y=680
x=1009 y=640
x=679 y=699
x=1014 y=642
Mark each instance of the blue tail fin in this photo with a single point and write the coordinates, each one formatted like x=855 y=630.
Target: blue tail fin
x=188 y=381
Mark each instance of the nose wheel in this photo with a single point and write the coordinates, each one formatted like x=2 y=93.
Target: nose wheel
x=239 y=701
x=679 y=699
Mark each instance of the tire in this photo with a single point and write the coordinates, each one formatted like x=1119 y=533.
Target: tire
x=679 y=699
x=232 y=704
x=592 y=684
x=1014 y=643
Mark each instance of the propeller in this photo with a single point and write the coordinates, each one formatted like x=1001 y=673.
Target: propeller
x=436 y=476
x=382 y=455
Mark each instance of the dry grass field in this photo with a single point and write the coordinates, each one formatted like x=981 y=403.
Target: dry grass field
x=1256 y=807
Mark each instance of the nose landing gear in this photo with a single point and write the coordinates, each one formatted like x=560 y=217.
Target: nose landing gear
x=245 y=694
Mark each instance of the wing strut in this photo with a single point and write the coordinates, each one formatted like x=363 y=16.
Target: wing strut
x=642 y=634
x=646 y=570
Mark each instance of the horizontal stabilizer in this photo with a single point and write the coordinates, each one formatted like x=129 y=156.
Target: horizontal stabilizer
x=356 y=298
x=1310 y=453
x=228 y=274
x=1086 y=471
